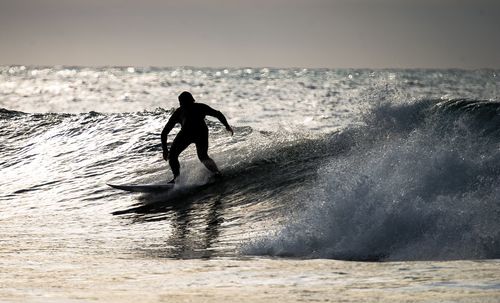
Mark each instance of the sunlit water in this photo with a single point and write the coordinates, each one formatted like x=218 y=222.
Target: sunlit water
x=326 y=168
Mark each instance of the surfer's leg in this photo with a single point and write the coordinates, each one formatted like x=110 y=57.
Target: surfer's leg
x=202 y=151
x=180 y=143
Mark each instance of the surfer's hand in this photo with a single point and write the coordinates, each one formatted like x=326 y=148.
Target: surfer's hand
x=229 y=129
x=165 y=155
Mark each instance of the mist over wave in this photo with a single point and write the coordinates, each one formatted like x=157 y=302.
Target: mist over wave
x=419 y=181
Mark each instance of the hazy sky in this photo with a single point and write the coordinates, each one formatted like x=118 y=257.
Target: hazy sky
x=257 y=33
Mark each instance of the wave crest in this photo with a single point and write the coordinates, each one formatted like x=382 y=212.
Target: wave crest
x=420 y=182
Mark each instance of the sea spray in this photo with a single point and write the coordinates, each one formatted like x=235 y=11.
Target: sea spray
x=420 y=182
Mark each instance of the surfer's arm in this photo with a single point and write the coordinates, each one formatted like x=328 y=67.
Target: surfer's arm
x=217 y=114
x=166 y=130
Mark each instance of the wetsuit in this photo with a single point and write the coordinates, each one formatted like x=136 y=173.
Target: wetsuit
x=193 y=130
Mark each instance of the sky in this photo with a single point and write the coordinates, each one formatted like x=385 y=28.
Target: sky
x=252 y=33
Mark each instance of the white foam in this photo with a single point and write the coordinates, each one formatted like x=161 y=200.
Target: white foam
x=412 y=187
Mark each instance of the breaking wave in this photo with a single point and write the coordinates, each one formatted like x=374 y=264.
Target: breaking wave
x=418 y=181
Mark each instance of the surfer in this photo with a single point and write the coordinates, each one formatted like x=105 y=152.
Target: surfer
x=191 y=116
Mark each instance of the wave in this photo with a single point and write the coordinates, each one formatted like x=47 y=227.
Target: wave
x=416 y=181
x=419 y=181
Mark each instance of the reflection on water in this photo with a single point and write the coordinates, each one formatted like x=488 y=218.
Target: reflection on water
x=195 y=221
x=212 y=220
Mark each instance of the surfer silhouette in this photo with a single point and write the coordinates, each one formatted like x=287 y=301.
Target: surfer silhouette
x=191 y=117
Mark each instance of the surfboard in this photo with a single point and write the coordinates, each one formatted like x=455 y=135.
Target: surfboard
x=143 y=188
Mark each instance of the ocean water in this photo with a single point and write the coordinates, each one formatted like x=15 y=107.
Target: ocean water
x=339 y=185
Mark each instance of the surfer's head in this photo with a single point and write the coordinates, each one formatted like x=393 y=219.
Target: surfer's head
x=185 y=98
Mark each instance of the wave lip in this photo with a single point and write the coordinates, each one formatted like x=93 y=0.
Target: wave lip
x=419 y=183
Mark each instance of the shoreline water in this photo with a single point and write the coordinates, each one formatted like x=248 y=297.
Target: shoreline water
x=117 y=279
